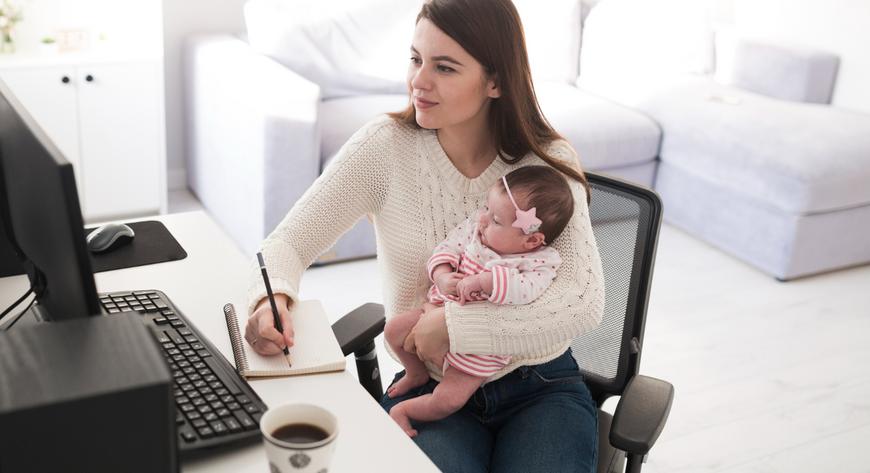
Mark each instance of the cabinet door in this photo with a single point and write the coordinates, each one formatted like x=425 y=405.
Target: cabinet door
x=51 y=102
x=121 y=145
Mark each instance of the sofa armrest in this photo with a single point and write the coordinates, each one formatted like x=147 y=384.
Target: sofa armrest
x=253 y=144
x=779 y=71
x=641 y=414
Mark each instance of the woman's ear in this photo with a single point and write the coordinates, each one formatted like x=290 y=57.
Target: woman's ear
x=493 y=91
x=534 y=241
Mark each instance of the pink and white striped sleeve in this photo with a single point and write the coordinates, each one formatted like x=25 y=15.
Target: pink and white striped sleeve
x=515 y=287
x=450 y=250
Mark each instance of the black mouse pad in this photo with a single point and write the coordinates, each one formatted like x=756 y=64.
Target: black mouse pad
x=152 y=244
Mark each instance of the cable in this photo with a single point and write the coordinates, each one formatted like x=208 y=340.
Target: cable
x=15 y=304
x=14 y=320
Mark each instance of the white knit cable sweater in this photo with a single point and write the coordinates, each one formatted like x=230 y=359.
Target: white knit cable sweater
x=401 y=177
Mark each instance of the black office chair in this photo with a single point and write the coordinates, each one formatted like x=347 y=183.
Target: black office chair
x=625 y=219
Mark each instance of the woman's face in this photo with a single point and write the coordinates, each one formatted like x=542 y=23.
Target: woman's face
x=447 y=85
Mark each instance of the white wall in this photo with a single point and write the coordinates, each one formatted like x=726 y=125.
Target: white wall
x=118 y=24
x=838 y=26
x=180 y=19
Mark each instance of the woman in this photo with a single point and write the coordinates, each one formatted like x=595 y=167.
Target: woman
x=473 y=118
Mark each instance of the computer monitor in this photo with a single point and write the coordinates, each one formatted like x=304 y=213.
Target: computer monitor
x=42 y=217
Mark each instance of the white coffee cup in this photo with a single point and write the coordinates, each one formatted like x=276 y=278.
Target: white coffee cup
x=299 y=455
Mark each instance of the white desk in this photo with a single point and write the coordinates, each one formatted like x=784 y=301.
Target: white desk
x=215 y=272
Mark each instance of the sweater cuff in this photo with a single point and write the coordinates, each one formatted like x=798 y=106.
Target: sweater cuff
x=468 y=328
x=279 y=286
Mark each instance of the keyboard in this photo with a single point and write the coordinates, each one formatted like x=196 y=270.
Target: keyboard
x=214 y=406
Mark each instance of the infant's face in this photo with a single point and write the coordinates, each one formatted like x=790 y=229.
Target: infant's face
x=495 y=222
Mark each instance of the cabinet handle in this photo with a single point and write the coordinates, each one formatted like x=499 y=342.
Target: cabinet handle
x=89 y=78
x=65 y=79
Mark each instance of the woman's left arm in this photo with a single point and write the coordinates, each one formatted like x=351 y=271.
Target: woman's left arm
x=572 y=305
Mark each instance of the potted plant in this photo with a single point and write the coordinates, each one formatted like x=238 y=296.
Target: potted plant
x=10 y=15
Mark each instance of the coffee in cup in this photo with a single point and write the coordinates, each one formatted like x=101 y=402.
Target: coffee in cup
x=299 y=438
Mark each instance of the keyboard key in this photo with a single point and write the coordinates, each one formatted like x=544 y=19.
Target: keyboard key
x=224 y=412
x=245 y=420
x=252 y=409
x=190 y=338
x=219 y=428
x=160 y=321
x=185 y=331
x=213 y=364
x=210 y=416
x=187 y=434
x=233 y=424
x=206 y=432
x=233 y=405
x=176 y=323
x=193 y=416
x=243 y=399
x=199 y=423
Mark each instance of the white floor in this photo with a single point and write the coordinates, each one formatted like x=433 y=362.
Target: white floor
x=769 y=376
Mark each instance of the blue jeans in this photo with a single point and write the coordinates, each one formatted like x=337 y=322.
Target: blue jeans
x=537 y=418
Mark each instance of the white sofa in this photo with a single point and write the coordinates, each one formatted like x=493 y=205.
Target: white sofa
x=259 y=132
x=753 y=161
x=268 y=111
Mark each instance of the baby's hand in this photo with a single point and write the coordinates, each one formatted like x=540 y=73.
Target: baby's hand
x=470 y=289
x=446 y=283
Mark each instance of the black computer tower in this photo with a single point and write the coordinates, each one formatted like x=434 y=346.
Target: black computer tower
x=85 y=395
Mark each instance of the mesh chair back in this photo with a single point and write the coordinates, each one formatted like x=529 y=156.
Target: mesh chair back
x=625 y=219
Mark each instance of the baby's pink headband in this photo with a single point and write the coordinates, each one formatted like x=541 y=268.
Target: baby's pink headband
x=527 y=220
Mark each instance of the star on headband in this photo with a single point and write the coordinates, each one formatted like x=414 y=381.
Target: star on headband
x=527 y=220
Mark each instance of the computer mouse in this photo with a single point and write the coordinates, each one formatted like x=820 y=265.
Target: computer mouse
x=109 y=236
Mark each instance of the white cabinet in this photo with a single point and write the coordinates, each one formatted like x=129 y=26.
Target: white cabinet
x=107 y=119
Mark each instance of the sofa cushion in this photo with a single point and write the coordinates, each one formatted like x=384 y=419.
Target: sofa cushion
x=800 y=158
x=629 y=45
x=552 y=38
x=338 y=119
x=346 y=47
x=353 y=47
x=605 y=134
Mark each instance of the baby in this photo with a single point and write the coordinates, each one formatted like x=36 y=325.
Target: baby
x=500 y=256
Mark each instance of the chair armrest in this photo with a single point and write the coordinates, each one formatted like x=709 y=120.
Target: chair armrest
x=253 y=143
x=641 y=414
x=780 y=71
x=356 y=334
x=359 y=327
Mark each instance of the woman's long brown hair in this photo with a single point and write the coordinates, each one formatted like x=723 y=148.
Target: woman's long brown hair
x=491 y=31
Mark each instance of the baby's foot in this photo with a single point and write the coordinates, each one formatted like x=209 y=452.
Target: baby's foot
x=407 y=383
x=398 y=415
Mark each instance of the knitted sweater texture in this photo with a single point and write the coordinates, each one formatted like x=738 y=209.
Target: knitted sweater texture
x=402 y=179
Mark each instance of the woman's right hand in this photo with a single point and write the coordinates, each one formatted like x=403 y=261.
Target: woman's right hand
x=260 y=331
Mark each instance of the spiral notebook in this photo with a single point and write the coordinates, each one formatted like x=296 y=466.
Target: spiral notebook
x=315 y=348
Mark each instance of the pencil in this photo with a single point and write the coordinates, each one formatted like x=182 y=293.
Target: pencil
x=275 y=316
